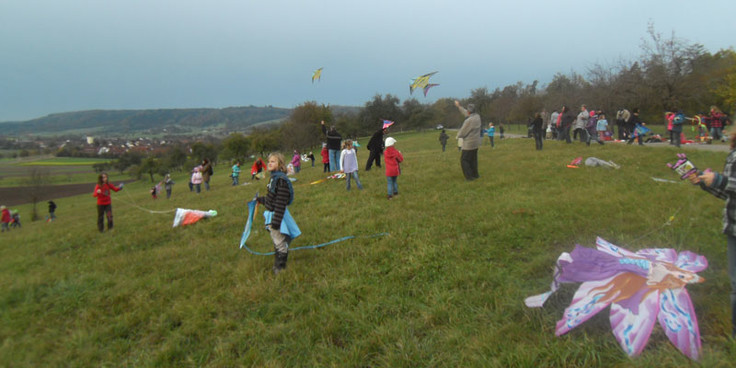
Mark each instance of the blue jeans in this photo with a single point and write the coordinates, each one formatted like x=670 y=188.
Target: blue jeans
x=334 y=160
x=235 y=180
x=198 y=188
x=392 y=185
x=716 y=133
x=354 y=175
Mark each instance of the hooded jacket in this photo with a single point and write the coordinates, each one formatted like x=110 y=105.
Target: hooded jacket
x=392 y=158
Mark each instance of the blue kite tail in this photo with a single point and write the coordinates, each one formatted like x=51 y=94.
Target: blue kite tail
x=249 y=226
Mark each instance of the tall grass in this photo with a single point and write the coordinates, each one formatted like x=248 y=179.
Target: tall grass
x=445 y=288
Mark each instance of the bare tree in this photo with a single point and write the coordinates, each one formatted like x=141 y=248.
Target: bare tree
x=666 y=63
x=38 y=181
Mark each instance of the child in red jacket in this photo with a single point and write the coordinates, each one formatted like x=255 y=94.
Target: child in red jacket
x=5 y=218
x=104 y=204
x=325 y=158
x=392 y=158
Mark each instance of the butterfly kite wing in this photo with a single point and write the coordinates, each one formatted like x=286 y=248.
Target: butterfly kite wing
x=677 y=318
x=586 y=303
x=632 y=321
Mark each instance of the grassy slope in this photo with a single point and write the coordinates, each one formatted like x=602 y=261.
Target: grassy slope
x=445 y=288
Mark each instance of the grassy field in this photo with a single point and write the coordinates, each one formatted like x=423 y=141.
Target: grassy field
x=445 y=288
x=61 y=170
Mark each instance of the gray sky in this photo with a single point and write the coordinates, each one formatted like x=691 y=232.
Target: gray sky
x=69 y=55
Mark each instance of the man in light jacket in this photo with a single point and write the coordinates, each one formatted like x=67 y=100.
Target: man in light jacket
x=470 y=133
x=580 y=122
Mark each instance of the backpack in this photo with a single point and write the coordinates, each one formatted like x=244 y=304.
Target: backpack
x=276 y=175
x=210 y=171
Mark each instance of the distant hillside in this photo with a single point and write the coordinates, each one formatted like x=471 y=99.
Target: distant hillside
x=150 y=122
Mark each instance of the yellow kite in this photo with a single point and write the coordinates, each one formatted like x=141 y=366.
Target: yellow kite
x=317 y=75
x=422 y=82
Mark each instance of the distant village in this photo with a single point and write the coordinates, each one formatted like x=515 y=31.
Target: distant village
x=89 y=146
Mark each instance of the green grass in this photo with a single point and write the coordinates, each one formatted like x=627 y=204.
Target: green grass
x=445 y=288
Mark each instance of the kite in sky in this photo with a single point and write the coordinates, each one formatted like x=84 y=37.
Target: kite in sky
x=317 y=75
x=185 y=217
x=387 y=123
x=640 y=287
x=426 y=89
x=422 y=81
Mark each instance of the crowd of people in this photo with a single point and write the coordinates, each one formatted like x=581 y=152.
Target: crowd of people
x=592 y=125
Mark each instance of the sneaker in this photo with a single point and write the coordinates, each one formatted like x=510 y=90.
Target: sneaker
x=389 y=197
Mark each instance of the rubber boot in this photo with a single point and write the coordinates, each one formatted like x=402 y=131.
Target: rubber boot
x=279 y=262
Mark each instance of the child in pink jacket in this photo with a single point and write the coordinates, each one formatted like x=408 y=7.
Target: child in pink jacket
x=392 y=158
x=296 y=161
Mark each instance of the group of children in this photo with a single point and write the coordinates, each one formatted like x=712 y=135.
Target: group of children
x=9 y=218
x=349 y=164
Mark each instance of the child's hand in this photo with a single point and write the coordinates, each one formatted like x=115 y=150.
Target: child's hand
x=694 y=178
x=707 y=178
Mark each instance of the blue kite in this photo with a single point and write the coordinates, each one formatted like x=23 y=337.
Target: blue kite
x=294 y=233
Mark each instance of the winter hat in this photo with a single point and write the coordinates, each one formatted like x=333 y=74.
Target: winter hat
x=390 y=142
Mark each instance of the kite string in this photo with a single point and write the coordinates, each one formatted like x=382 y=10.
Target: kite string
x=666 y=223
x=318 y=245
x=132 y=203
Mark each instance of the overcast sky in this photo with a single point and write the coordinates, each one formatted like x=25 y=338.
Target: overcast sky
x=69 y=55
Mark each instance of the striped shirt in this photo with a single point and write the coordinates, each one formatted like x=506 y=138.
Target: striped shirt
x=724 y=187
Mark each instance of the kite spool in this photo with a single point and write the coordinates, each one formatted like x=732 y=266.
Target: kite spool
x=684 y=167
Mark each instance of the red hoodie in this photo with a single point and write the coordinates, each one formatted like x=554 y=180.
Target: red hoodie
x=6 y=216
x=392 y=158
x=104 y=196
